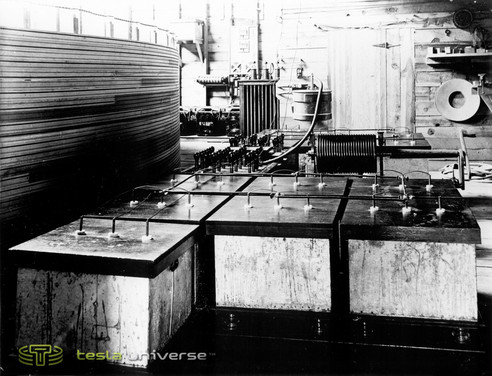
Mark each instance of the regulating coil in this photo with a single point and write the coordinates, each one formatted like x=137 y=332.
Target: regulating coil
x=212 y=80
x=346 y=153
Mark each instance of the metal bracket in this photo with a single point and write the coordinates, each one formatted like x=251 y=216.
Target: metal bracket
x=174 y=265
x=386 y=45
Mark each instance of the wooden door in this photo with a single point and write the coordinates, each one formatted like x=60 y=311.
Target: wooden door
x=371 y=78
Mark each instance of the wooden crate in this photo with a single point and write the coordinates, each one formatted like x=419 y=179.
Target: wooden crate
x=93 y=294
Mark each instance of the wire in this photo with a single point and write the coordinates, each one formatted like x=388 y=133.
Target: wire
x=99 y=15
x=308 y=132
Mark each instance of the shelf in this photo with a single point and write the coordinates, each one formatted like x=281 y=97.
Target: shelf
x=194 y=48
x=190 y=35
x=459 y=58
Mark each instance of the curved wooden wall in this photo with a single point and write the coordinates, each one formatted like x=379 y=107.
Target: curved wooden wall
x=82 y=118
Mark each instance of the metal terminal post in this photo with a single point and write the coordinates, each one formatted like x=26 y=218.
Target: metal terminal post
x=296 y=183
x=321 y=183
x=402 y=187
x=113 y=233
x=278 y=206
x=248 y=204
x=373 y=208
x=147 y=238
x=429 y=185
x=406 y=209
x=80 y=231
x=308 y=205
x=173 y=180
x=271 y=184
x=440 y=210
x=190 y=204
x=220 y=182
x=162 y=204
x=375 y=184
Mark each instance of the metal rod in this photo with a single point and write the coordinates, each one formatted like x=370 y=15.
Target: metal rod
x=410 y=153
x=300 y=173
x=297 y=196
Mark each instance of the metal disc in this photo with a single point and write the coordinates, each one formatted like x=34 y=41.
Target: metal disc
x=456 y=101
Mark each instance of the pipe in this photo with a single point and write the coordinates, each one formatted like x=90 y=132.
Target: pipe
x=411 y=153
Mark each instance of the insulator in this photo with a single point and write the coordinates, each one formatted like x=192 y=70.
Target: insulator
x=346 y=153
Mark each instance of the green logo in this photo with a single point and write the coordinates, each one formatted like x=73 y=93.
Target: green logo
x=40 y=355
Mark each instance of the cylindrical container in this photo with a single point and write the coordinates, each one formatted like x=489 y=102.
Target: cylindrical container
x=233 y=128
x=305 y=104
x=187 y=122
x=82 y=118
x=207 y=119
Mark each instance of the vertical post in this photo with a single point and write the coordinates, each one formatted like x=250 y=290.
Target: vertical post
x=130 y=24
x=206 y=66
x=380 y=144
x=27 y=18
x=58 y=20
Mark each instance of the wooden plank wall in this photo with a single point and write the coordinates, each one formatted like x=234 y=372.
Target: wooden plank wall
x=372 y=86
x=441 y=132
x=82 y=118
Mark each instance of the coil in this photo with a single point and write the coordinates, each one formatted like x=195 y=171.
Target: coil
x=212 y=80
x=346 y=153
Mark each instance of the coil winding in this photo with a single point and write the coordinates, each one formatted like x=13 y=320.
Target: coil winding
x=346 y=153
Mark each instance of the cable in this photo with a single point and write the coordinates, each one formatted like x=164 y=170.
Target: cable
x=99 y=15
x=306 y=135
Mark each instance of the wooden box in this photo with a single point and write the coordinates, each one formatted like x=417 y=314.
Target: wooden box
x=416 y=263
x=94 y=294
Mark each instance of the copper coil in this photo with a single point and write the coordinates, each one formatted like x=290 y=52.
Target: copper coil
x=346 y=153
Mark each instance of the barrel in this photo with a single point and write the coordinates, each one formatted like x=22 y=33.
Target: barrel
x=304 y=105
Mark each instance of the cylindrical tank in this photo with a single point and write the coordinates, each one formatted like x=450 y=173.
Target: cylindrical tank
x=233 y=127
x=208 y=119
x=304 y=106
x=83 y=118
x=187 y=122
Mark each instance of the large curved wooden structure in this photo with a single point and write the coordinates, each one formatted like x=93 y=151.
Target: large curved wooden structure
x=82 y=118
